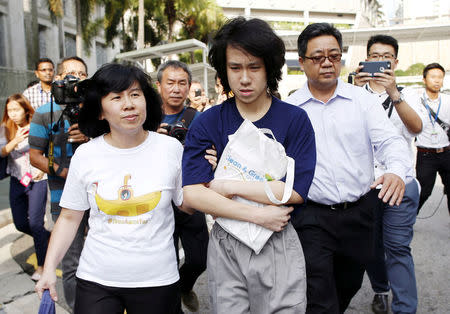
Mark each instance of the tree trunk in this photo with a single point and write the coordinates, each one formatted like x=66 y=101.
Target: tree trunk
x=35 y=32
x=140 y=41
x=79 y=39
x=62 y=47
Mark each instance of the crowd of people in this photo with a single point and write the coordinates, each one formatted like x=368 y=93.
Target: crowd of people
x=131 y=175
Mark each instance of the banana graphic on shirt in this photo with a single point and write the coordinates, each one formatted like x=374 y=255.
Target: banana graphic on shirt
x=126 y=204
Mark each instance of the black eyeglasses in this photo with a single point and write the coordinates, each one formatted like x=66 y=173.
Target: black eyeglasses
x=334 y=58
x=385 y=56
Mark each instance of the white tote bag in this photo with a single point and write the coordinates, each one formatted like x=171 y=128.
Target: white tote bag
x=251 y=155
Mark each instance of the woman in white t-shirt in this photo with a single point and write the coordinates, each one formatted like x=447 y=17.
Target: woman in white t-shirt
x=128 y=175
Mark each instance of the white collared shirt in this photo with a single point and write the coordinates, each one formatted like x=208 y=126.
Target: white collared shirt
x=346 y=128
x=424 y=139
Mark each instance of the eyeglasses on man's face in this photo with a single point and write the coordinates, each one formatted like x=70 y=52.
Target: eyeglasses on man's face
x=384 y=56
x=79 y=74
x=319 y=59
x=46 y=70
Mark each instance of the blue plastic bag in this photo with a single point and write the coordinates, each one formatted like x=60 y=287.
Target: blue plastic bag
x=47 y=304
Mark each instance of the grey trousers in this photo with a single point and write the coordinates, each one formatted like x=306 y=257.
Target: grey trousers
x=274 y=281
x=69 y=263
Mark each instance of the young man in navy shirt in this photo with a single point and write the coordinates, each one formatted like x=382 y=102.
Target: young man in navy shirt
x=248 y=57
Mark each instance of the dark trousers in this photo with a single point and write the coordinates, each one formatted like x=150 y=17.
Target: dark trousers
x=376 y=269
x=94 y=298
x=28 y=211
x=336 y=244
x=428 y=164
x=193 y=232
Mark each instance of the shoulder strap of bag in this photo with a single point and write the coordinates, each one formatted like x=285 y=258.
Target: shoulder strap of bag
x=289 y=184
x=188 y=115
x=388 y=102
x=445 y=126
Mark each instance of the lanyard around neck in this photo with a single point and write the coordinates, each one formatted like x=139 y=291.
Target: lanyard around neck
x=428 y=109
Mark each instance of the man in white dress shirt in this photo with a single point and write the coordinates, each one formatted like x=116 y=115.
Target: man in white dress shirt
x=433 y=145
x=336 y=225
x=393 y=261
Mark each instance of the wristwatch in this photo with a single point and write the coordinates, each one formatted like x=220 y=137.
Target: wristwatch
x=399 y=100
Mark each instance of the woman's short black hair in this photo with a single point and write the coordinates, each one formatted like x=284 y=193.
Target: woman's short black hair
x=255 y=37
x=315 y=30
x=109 y=78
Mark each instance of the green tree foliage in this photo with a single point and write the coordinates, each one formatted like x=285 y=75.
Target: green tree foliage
x=199 y=18
x=413 y=70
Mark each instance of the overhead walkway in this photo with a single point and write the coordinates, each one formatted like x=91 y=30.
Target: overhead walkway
x=359 y=36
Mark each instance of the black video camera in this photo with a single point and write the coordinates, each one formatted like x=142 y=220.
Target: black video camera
x=177 y=130
x=66 y=92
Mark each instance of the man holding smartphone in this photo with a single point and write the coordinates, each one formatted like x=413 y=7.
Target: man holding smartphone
x=394 y=224
x=197 y=98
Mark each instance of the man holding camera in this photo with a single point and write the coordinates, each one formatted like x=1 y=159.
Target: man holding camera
x=196 y=97
x=393 y=262
x=173 y=81
x=53 y=132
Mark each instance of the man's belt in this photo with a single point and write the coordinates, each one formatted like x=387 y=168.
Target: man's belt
x=433 y=150
x=344 y=205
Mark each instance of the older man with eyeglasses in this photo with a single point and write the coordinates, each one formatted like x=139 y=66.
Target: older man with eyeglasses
x=336 y=225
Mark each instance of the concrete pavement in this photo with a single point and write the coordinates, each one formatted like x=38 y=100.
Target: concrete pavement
x=430 y=247
x=17 y=294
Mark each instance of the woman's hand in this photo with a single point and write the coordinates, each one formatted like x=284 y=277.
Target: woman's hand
x=21 y=135
x=47 y=282
x=211 y=156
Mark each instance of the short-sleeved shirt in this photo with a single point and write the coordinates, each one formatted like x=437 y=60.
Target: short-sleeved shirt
x=290 y=126
x=39 y=138
x=37 y=96
x=129 y=193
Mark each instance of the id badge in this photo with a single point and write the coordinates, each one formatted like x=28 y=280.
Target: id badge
x=434 y=138
x=26 y=179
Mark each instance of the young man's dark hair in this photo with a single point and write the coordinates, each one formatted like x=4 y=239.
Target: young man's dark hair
x=240 y=33
x=383 y=39
x=176 y=65
x=42 y=60
x=431 y=66
x=316 y=30
x=116 y=78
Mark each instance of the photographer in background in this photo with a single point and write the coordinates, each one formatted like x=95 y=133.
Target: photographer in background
x=196 y=97
x=393 y=261
x=53 y=134
x=174 y=81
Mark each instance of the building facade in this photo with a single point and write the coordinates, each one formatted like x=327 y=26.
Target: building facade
x=28 y=33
